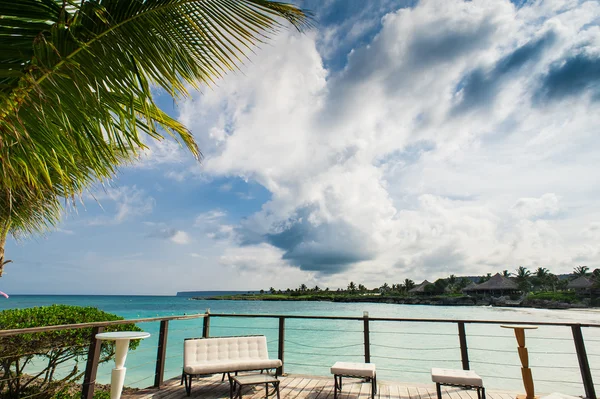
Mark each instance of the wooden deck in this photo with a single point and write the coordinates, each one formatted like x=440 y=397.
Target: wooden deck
x=311 y=387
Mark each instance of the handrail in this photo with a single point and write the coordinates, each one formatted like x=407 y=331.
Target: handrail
x=93 y=354
x=17 y=331
x=415 y=320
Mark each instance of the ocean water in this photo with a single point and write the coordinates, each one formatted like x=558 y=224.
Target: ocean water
x=403 y=352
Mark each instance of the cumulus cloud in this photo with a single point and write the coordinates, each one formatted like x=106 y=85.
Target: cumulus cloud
x=429 y=152
x=128 y=202
x=177 y=236
x=531 y=208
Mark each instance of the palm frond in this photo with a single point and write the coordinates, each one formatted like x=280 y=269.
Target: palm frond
x=76 y=79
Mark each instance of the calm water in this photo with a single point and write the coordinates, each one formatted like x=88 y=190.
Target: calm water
x=401 y=351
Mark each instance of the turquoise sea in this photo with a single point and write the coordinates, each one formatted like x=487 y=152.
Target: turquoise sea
x=402 y=351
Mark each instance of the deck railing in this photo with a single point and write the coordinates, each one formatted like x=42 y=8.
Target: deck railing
x=367 y=332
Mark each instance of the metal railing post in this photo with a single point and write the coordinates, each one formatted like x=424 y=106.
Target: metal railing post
x=367 y=338
x=464 y=350
x=584 y=365
x=91 y=366
x=281 y=344
x=161 y=354
x=206 y=325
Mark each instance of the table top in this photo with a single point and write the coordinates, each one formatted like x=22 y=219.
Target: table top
x=519 y=326
x=252 y=379
x=119 y=335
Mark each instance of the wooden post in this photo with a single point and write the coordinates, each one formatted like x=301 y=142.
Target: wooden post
x=464 y=351
x=584 y=365
x=206 y=325
x=161 y=353
x=367 y=340
x=281 y=344
x=91 y=367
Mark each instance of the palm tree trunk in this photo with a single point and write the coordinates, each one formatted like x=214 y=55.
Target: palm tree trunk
x=4 y=227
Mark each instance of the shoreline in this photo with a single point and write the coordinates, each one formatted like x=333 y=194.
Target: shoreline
x=433 y=301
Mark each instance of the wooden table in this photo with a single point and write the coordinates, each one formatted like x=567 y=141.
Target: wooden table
x=239 y=381
x=524 y=356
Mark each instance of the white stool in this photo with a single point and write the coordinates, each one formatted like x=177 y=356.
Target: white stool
x=457 y=378
x=354 y=370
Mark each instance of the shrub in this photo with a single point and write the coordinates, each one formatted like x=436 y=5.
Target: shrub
x=52 y=348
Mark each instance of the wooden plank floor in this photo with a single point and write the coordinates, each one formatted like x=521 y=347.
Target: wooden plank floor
x=311 y=387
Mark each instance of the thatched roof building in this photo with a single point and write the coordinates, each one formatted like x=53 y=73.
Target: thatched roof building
x=496 y=285
x=420 y=289
x=470 y=287
x=580 y=283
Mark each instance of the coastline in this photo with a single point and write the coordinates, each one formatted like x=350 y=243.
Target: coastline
x=464 y=300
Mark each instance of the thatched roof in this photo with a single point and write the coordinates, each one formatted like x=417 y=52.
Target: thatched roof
x=497 y=283
x=420 y=288
x=580 y=283
x=470 y=287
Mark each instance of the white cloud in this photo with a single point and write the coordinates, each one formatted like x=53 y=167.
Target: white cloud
x=128 y=201
x=180 y=237
x=438 y=149
x=531 y=208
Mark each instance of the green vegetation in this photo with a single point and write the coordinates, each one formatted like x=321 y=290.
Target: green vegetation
x=77 y=81
x=540 y=284
x=559 y=296
x=53 y=350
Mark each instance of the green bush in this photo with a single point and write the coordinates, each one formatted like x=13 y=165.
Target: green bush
x=53 y=348
x=560 y=296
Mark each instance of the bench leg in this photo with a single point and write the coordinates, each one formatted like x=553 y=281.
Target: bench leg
x=373 y=387
x=478 y=393
x=188 y=384
x=483 y=392
x=439 y=390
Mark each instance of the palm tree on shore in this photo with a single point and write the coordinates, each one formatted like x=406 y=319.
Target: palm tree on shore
x=522 y=277
x=580 y=271
x=409 y=284
x=76 y=88
x=351 y=286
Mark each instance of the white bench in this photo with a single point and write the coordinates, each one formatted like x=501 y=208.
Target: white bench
x=355 y=370
x=205 y=356
x=457 y=378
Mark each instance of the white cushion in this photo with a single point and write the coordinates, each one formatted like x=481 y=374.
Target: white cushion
x=217 y=355
x=353 y=369
x=224 y=366
x=456 y=377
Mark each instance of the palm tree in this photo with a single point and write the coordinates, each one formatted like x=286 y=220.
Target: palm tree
x=303 y=287
x=351 y=286
x=505 y=273
x=75 y=88
x=541 y=277
x=409 y=284
x=580 y=271
x=522 y=276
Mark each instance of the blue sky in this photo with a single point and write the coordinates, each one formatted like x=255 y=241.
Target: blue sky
x=396 y=140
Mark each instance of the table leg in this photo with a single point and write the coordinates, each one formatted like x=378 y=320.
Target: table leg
x=117 y=379
x=525 y=370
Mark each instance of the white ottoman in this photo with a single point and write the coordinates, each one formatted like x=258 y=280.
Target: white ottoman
x=457 y=378
x=355 y=370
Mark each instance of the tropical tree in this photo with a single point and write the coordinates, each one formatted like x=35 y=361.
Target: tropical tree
x=505 y=273
x=580 y=271
x=75 y=88
x=303 y=288
x=541 y=278
x=522 y=277
x=409 y=284
x=351 y=286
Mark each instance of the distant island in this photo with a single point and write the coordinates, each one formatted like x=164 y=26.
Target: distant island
x=540 y=289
